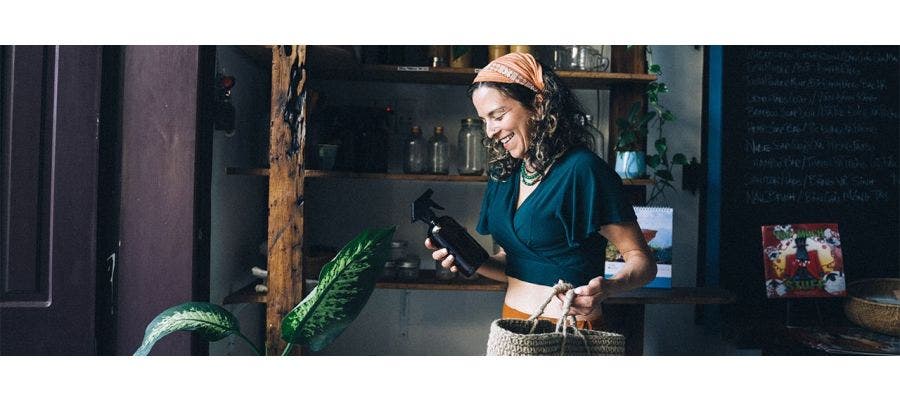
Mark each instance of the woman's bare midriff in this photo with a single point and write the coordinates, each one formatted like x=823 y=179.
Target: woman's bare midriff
x=528 y=297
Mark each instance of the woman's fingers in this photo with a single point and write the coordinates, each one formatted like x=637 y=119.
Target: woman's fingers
x=440 y=254
x=448 y=261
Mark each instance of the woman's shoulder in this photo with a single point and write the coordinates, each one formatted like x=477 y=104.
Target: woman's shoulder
x=580 y=157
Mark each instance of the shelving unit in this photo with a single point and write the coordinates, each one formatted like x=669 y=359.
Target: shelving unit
x=291 y=68
x=402 y=177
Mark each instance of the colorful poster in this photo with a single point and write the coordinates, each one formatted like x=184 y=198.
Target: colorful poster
x=803 y=260
x=656 y=225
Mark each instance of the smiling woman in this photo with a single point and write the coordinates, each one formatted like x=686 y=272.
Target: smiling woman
x=551 y=203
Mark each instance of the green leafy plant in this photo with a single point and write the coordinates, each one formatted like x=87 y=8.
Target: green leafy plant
x=345 y=285
x=633 y=129
x=660 y=161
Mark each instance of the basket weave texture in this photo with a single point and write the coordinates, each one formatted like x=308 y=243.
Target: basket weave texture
x=877 y=316
x=510 y=337
x=537 y=337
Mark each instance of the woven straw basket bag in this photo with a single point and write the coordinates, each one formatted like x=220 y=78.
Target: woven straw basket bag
x=534 y=337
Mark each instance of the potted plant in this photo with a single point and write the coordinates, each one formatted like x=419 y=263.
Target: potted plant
x=345 y=284
x=633 y=129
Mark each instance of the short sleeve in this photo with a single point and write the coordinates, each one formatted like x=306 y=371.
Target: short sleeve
x=483 y=226
x=592 y=197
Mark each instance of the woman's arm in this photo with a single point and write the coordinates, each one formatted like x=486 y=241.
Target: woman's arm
x=493 y=268
x=639 y=269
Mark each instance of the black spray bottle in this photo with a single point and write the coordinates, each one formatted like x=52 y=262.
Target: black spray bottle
x=468 y=254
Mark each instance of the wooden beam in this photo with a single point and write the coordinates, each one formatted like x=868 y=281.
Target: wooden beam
x=285 y=225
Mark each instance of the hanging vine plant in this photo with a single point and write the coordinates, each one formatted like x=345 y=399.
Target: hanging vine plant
x=660 y=162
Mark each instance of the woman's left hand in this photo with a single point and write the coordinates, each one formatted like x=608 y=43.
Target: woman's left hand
x=589 y=297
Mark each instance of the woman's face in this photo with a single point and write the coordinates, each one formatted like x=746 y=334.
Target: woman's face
x=505 y=119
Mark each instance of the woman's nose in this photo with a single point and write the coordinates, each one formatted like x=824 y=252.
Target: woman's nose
x=491 y=129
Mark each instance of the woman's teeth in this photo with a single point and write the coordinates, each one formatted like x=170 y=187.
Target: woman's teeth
x=506 y=139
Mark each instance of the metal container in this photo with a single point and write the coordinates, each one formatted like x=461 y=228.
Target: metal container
x=398 y=250
x=390 y=270
x=470 y=148
x=408 y=269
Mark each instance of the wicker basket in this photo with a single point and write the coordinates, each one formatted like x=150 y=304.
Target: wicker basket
x=878 y=316
x=511 y=337
x=537 y=337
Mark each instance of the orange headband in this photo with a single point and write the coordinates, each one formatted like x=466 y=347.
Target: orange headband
x=519 y=68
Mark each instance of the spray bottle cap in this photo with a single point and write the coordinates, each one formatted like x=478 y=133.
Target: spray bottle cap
x=421 y=208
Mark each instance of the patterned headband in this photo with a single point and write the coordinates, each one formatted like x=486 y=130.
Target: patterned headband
x=519 y=68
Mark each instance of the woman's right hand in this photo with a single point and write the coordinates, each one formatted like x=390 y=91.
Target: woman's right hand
x=441 y=254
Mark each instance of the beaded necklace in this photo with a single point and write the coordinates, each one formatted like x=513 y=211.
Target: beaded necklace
x=530 y=179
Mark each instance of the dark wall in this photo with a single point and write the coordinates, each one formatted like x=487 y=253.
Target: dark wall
x=809 y=134
x=160 y=229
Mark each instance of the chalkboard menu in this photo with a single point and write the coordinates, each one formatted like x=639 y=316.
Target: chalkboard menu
x=810 y=134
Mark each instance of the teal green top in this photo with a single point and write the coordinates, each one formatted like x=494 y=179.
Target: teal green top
x=554 y=234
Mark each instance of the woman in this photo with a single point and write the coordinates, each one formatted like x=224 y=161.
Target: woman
x=551 y=203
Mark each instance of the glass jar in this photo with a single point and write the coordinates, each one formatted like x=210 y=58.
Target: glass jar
x=497 y=51
x=438 y=152
x=408 y=268
x=470 y=148
x=599 y=139
x=441 y=273
x=415 y=152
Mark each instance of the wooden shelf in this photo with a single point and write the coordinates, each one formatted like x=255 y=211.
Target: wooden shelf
x=427 y=281
x=311 y=173
x=247 y=171
x=403 y=177
x=246 y=294
x=337 y=63
x=675 y=295
x=464 y=76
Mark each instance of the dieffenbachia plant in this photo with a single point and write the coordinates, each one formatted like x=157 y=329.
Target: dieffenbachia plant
x=344 y=287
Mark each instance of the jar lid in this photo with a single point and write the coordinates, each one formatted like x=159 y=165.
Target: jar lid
x=471 y=121
x=398 y=244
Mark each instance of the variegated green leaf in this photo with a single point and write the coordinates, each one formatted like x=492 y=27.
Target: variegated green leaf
x=209 y=320
x=345 y=284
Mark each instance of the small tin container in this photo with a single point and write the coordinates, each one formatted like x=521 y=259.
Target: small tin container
x=408 y=269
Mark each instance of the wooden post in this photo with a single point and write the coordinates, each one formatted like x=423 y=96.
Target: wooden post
x=287 y=132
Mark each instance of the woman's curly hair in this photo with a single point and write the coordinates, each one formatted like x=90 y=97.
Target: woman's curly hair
x=555 y=126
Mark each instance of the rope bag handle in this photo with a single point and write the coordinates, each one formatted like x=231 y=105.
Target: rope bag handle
x=567 y=321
